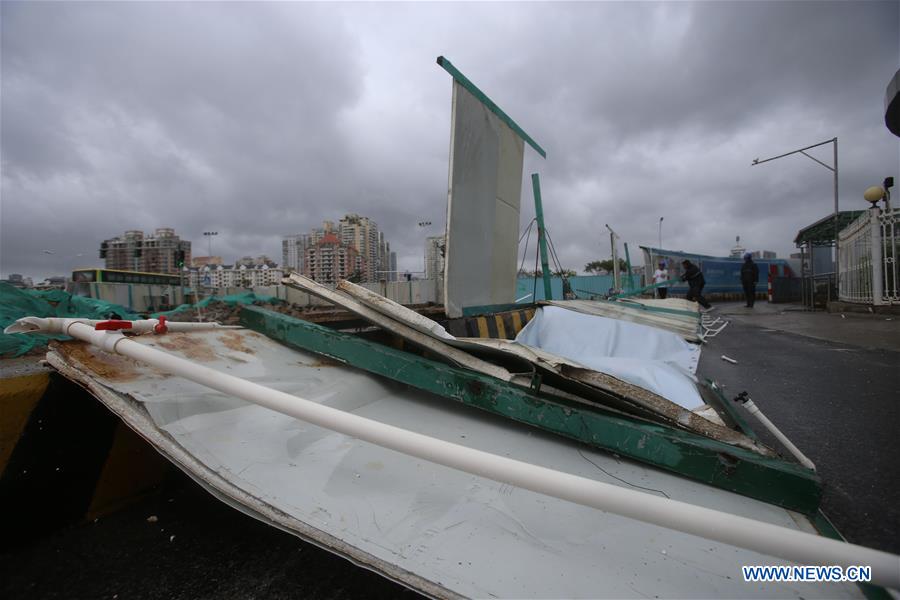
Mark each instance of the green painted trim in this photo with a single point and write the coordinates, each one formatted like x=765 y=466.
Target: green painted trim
x=768 y=479
x=732 y=410
x=475 y=311
x=473 y=89
x=542 y=235
x=827 y=529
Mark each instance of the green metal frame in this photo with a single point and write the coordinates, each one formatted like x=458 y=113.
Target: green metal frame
x=473 y=89
x=718 y=464
x=542 y=235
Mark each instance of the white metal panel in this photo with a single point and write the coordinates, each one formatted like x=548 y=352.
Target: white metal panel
x=657 y=360
x=434 y=528
x=483 y=207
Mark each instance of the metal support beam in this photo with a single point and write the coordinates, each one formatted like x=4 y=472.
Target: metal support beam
x=542 y=235
x=687 y=454
x=629 y=283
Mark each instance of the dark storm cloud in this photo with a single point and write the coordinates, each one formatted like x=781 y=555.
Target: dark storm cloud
x=186 y=115
x=259 y=120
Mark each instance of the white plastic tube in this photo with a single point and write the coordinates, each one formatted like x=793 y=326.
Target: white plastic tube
x=60 y=325
x=765 y=538
x=754 y=410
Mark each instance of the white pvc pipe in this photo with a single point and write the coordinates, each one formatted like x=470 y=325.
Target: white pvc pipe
x=754 y=410
x=765 y=538
x=60 y=325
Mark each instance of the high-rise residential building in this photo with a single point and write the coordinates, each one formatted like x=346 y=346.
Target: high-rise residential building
x=392 y=269
x=155 y=253
x=362 y=233
x=293 y=251
x=352 y=231
x=330 y=260
x=434 y=257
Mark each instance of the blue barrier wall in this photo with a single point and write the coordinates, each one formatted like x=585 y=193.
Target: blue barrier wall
x=723 y=275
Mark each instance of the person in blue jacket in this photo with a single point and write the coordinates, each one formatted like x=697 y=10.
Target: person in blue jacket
x=749 y=277
x=695 y=281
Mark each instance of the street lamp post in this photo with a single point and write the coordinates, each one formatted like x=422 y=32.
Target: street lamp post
x=660 y=233
x=834 y=170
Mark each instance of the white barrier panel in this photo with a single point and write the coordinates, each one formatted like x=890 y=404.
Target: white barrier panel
x=483 y=206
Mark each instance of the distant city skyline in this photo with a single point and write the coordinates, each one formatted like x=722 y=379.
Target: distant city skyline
x=287 y=114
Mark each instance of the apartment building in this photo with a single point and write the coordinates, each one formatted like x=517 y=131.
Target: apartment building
x=156 y=253
x=330 y=260
x=362 y=234
x=225 y=276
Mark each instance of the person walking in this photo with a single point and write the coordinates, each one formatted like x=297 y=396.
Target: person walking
x=661 y=275
x=749 y=278
x=695 y=281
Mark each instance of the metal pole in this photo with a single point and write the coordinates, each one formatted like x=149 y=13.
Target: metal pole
x=803 y=275
x=837 y=281
x=877 y=265
x=660 y=234
x=542 y=236
x=628 y=264
x=812 y=276
x=615 y=259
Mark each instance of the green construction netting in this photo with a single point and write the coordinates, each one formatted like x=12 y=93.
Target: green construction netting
x=230 y=300
x=16 y=303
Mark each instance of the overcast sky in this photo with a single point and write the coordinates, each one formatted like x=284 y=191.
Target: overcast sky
x=259 y=120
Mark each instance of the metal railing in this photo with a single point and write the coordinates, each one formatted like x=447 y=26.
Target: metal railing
x=869 y=258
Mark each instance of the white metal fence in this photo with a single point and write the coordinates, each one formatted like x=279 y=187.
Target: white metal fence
x=869 y=258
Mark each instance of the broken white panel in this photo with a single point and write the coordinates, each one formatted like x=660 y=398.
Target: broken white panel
x=651 y=358
x=429 y=527
x=482 y=208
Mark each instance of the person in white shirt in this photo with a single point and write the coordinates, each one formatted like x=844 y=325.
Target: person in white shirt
x=659 y=276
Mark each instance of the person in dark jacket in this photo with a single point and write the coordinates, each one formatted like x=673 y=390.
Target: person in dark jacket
x=749 y=277
x=695 y=281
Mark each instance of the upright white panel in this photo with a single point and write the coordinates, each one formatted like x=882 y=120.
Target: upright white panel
x=483 y=206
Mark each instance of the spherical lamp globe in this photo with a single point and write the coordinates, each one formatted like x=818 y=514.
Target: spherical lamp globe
x=874 y=194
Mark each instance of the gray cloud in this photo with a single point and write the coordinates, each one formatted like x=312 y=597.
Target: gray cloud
x=259 y=120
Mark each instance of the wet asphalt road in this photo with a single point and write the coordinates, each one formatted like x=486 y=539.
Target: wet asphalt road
x=839 y=403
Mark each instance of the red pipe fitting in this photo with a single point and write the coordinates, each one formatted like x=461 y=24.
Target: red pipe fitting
x=161 y=327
